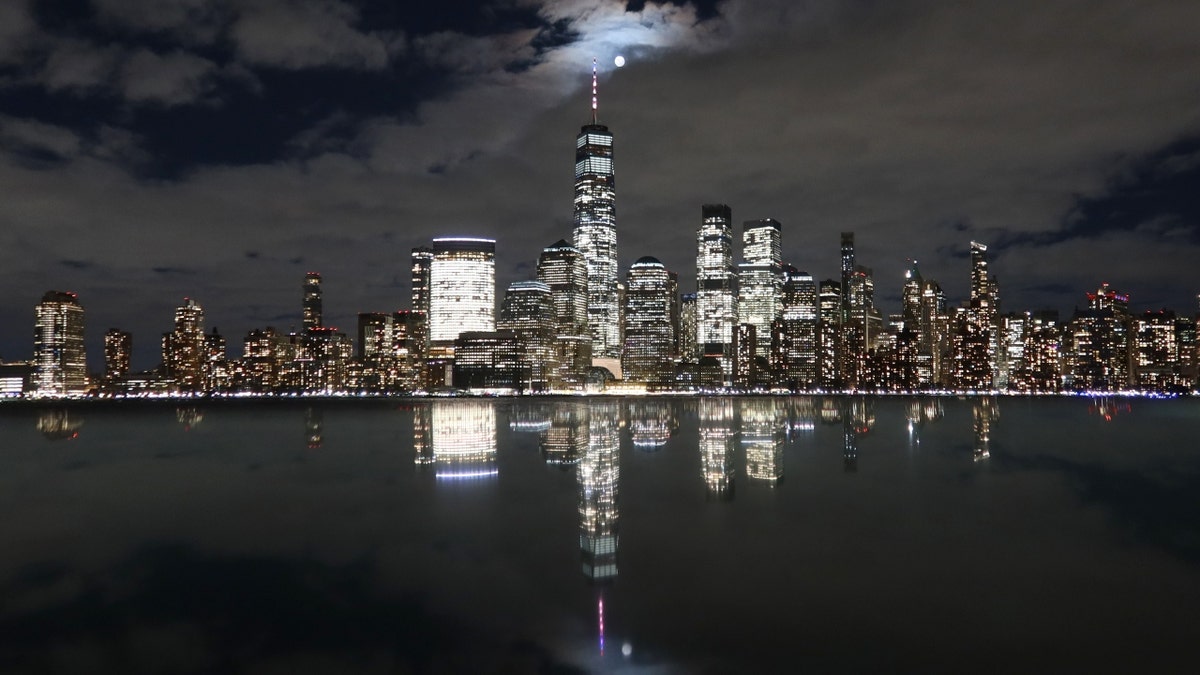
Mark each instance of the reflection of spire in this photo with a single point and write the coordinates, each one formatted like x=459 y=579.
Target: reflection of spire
x=716 y=446
x=762 y=439
x=986 y=412
x=314 y=423
x=463 y=435
x=599 y=476
x=595 y=100
x=57 y=425
x=600 y=621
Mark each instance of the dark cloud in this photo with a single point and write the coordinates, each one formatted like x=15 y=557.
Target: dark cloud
x=919 y=127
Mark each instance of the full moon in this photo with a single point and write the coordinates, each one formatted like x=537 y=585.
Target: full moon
x=620 y=61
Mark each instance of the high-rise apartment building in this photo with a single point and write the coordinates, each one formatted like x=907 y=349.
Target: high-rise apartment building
x=462 y=288
x=183 y=350
x=649 y=337
x=118 y=352
x=596 y=231
x=716 y=285
x=59 y=358
x=829 y=329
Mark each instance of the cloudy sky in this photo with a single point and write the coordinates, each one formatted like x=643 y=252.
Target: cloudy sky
x=219 y=149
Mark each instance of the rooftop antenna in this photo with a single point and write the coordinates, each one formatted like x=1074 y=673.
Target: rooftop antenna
x=594 y=101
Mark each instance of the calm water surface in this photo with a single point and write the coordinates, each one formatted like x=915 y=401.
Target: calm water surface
x=602 y=535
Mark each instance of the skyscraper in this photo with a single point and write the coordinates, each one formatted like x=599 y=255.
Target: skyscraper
x=596 y=230
x=462 y=288
x=528 y=311
x=312 y=300
x=759 y=279
x=118 y=348
x=798 y=321
x=422 y=262
x=183 y=349
x=59 y=360
x=716 y=292
x=561 y=267
x=649 y=340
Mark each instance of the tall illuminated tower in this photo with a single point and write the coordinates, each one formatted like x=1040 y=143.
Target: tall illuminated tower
x=59 y=361
x=118 y=347
x=716 y=281
x=183 y=349
x=596 y=230
x=312 y=300
x=759 y=279
x=561 y=267
x=422 y=261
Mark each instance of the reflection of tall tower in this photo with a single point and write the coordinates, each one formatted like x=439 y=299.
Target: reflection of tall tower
x=716 y=446
x=599 y=475
x=59 y=361
x=763 y=428
x=596 y=230
x=463 y=439
x=849 y=437
x=312 y=301
x=57 y=425
x=314 y=427
x=922 y=411
x=422 y=441
x=985 y=412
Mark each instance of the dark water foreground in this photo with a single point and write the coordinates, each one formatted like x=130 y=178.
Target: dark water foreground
x=606 y=535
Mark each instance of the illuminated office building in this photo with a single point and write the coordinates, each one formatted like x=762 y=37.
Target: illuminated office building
x=599 y=475
x=422 y=265
x=796 y=336
x=685 y=330
x=649 y=340
x=561 y=266
x=312 y=301
x=118 y=350
x=829 y=310
x=462 y=288
x=759 y=278
x=717 y=446
x=596 y=231
x=491 y=361
x=183 y=350
x=1158 y=361
x=716 y=286
x=528 y=311
x=59 y=358
x=861 y=321
x=463 y=439
x=763 y=426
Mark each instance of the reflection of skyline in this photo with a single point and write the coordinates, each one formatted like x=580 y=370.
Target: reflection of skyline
x=1108 y=407
x=189 y=417
x=763 y=426
x=985 y=412
x=858 y=418
x=922 y=411
x=599 y=476
x=57 y=425
x=716 y=446
x=564 y=442
x=422 y=444
x=463 y=439
x=651 y=422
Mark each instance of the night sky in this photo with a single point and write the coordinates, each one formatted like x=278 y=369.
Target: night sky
x=219 y=149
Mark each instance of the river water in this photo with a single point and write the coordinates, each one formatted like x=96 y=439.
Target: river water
x=639 y=535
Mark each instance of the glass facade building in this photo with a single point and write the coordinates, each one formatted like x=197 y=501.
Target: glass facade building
x=462 y=288
x=59 y=358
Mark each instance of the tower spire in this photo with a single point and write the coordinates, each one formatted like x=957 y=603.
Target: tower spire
x=594 y=100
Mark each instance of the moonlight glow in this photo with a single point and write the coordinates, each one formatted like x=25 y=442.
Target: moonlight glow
x=620 y=60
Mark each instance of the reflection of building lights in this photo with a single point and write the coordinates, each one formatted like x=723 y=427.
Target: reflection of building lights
x=762 y=431
x=716 y=446
x=463 y=439
x=599 y=475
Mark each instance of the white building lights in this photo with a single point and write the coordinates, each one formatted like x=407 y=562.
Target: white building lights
x=462 y=294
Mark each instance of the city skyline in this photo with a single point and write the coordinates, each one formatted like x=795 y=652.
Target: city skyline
x=917 y=151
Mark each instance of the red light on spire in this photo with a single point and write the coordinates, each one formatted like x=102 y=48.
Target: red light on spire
x=595 y=101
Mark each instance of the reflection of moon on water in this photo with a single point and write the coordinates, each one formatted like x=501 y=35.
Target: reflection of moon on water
x=620 y=61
